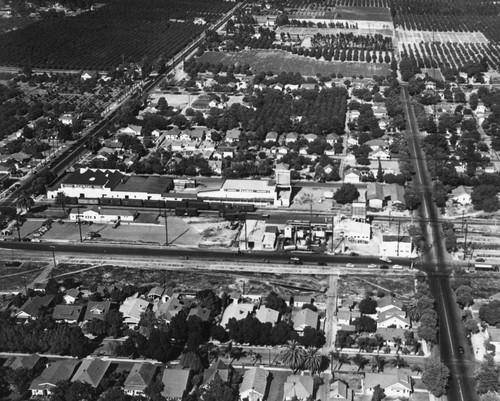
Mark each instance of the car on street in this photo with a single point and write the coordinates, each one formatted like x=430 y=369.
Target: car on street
x=384 y=267
x=349 y=265
x=460 y=349
x=480 y=260
x=354 y=254
x=321 y=264
x=385 y=259
x=295 y=261
x=397 y=267
x=372 y=266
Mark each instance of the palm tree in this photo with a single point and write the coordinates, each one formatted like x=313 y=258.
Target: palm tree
x=380 y=341
x=24 y=201
x=293 y=356
x=398 y=362
x=343 y=358
x=256 y=357
x=397 y=342
x=378 y=363
x=313 y=360
x=360 y=361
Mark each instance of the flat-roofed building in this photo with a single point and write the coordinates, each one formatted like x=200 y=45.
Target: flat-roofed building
x=392 y=245
x=259 y=192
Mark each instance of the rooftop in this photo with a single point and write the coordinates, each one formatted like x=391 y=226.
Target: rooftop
x=93 y=177
x=147 y=184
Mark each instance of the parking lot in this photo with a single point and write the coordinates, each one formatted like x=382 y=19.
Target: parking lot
x=179 y=232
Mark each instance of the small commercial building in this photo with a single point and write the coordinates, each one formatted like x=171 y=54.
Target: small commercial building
x=98 y=215
x=396 y=246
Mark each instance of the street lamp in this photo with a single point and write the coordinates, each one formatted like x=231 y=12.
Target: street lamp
x=53 y=248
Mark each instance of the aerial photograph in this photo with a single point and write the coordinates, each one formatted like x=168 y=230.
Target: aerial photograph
x=274 y=200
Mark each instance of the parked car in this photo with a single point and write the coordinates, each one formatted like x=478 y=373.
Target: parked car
x=384 y=267
x=372 y=266
x=386 y=259
x=354 y=254
x=349 y=265
x=397 y=267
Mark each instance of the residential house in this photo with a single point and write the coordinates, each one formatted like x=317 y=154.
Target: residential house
x=388 y=303
x=32 y=307
x=291 y=87
x=332 y=138
x=176 y=383
x=196 y=134
x=172 y=134
x=219 y=369
x=61 y=370
x=132 y=308
x=267 y=315
x=271 y=136
x=67 y=119
x=345 y=317
x=291 y=137
x=254 y=384
x=131 y=130
x=237 y=311
x=159 y=294
x=201 y=313
x=141 y=375
x=392 y=245
x=71 y=314
x=167 y=310
x=184 y=136
x=379 y=154
x=22 y=362
x=233 y=135
x=308 y=86
x=215 y=166
x=97 y=310
x=91 y=371
x=461 y=195
x=376 y=144
x=298 y=387
x=310 y=137
x=394 y=385
x=300 y=300
x=305 y=318
x=393 y=318
x=352 y=176
x=340 y=391
x=71 y=295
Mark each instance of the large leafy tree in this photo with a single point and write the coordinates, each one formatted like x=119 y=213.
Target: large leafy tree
x=435 y=377
x=490 y=313
x=24 y=201
x=217 y=390
x=347 y=193
x=365 y=324
x=486 y=376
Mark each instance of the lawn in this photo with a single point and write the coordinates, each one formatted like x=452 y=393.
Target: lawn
x=279 y=60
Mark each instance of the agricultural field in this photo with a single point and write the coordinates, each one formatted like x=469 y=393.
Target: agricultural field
x=447 y=15
x=279 y=60
x=450 y=55
x=120 y=30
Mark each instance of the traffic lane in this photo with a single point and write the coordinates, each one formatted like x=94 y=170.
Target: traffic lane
x=198 y=253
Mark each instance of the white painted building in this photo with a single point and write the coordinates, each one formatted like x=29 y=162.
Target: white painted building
x=396 y=247
x=98 y=215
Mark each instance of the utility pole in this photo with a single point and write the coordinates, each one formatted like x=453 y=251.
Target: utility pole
x=53 y=248
x=465 y=240
x=79 y=224
x=166 y=227
x=333 y=231
x=399 y=227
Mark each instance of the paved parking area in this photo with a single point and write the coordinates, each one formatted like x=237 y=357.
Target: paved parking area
x=179 y=232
